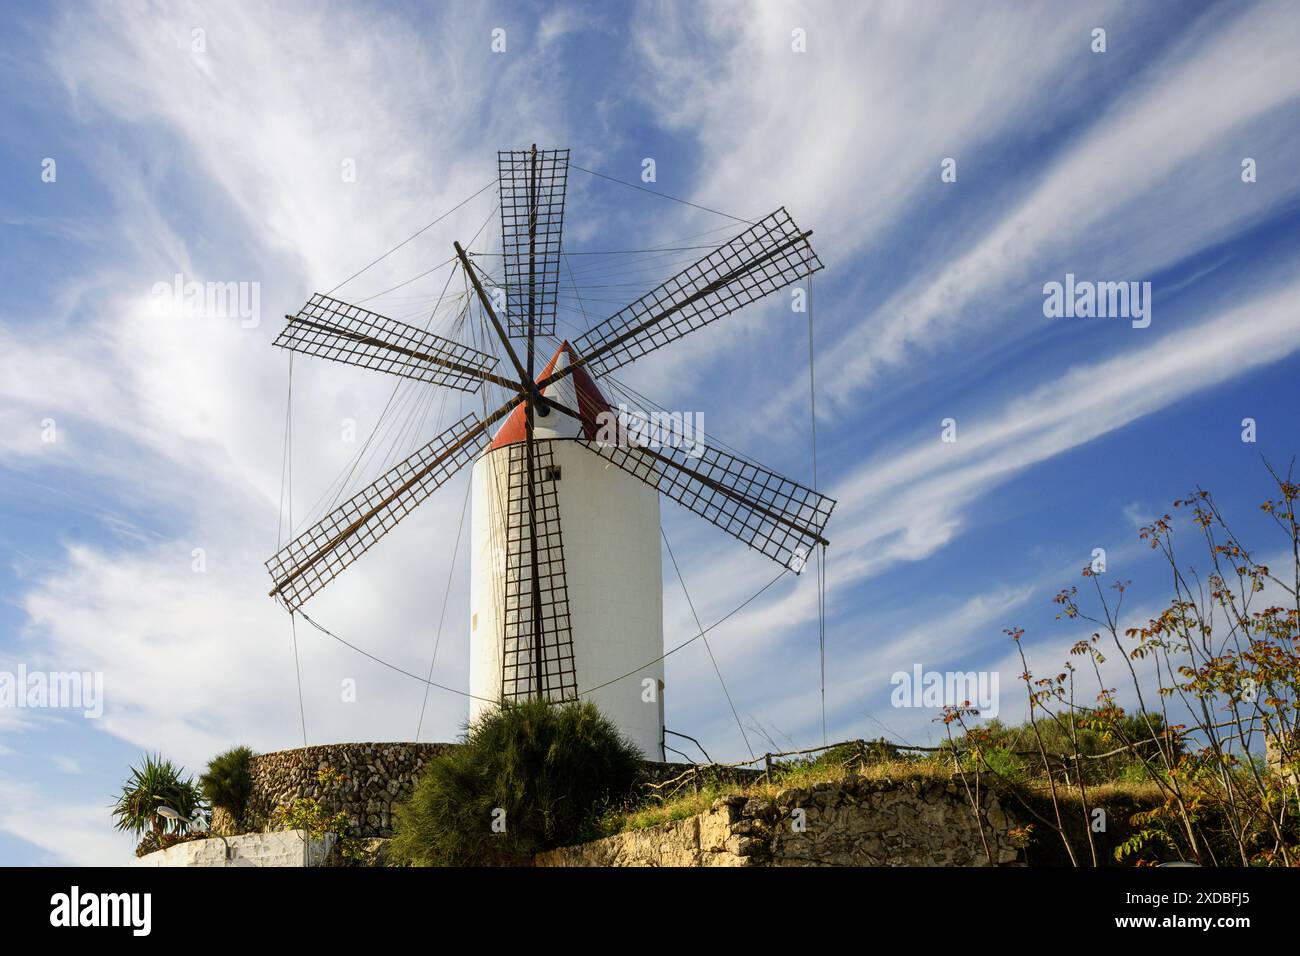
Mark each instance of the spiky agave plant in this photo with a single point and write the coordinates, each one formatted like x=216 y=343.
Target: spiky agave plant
x=156 y=782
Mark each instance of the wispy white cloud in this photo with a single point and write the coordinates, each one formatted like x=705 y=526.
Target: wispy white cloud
x=71 y=832
x=887 y=91
x=226 y=165
x=883 y=93
x=67 y=764
x=1141 y=190
x=940 y=481
x=850 y=134
x=1137 y=514
x=907 y=503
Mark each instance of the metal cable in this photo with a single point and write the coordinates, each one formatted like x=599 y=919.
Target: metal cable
x=378 y=660
x=821 y=550
x=286 y=483
x=418 y=232
x=655 y=192
x=446 y=597
x=716 y=668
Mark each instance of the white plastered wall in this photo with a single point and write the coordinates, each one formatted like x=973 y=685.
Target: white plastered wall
x=610 y=527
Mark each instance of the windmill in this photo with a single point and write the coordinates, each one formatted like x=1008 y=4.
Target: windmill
x=566 y=588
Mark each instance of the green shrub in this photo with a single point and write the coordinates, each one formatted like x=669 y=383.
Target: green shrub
x=318 y=822
x=155 y=783
x=529 y=776
x=1014 y=750
x=1006 y=764
x=837 y=756
x=228 y=782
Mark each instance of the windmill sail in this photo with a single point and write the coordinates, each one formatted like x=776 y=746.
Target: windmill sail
x=318 y=555
x=771 y=514
x=769 y=255
x=332 y=329
x=537 y=649
x=532 y=183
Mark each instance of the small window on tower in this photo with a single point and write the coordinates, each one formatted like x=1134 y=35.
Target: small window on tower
x=553 y=473
x=473 y=622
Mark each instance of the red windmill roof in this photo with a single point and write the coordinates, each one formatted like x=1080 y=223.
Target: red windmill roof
x=577 y=391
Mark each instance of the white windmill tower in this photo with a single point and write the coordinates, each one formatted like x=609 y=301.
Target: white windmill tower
x=600 y=582
x=566 y=586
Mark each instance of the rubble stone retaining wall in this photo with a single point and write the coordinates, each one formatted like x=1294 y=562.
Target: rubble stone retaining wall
x=855 y=822
x=375 y=776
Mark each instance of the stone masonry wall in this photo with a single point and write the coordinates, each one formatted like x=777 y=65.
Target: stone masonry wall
x=853 y=823
x=375 y=776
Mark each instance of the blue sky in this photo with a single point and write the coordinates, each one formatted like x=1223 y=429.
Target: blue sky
x=224 y=165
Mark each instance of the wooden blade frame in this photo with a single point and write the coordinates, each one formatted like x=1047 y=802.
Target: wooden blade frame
x=771 y=514
x=334 y=330
x=775 y=516
x=537 y=642
x=534 y=401
x=532 y=184
x=769 y=255
x=318 y=555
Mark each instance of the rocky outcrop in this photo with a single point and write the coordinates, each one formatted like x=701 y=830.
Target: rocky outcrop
x=372 y=778
x=855 y=822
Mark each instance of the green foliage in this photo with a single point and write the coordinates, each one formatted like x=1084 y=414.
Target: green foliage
x=1224 y=653
x=529 y=776
x=156 y=782
x=306 y=813
x=1013 y=751
x=317 y=821
x=851 y=755
x=838 y=756
x=1005 y=763
x=228 y=782
x=881 y=750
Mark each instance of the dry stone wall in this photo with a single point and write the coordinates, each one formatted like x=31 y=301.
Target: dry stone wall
x=375 y=776
x=851 y=823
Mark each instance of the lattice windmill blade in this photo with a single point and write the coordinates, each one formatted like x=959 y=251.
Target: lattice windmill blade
x=775 y=516
x=537 y=657
x=771 y=514
x=334 y=330
x=532 y=185
x=766 y=257
x=318 y=555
